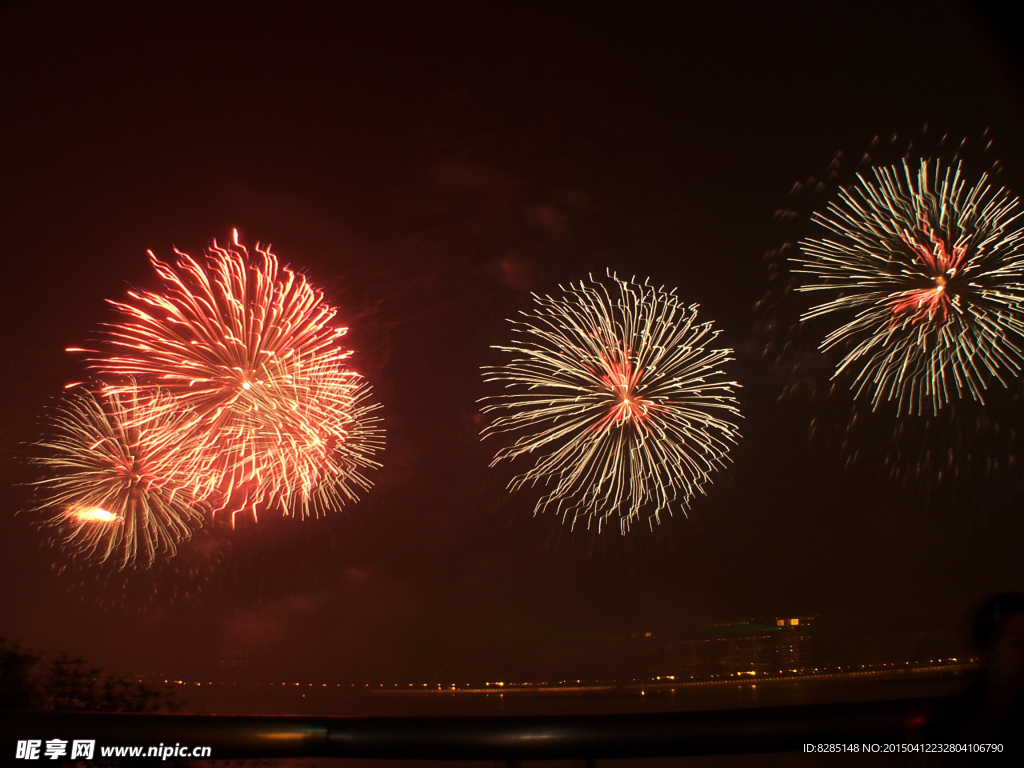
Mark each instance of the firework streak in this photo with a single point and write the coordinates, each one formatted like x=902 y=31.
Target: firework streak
x=931 y=271
x=619 y=399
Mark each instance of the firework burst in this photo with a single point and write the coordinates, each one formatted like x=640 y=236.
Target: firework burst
x=249 y=347
x=122 y=469
x=931 y=271
x=619 y=397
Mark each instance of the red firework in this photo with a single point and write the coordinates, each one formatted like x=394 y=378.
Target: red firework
x=250 y=348
x=941 y=263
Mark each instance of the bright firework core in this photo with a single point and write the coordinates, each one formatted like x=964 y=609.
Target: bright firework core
x=617 y=397
x=939 y=263
x=623 y=382
x=932 y=272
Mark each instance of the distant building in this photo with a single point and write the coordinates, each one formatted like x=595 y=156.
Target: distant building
x=740 y=648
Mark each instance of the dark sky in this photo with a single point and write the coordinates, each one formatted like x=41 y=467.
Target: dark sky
x=429 y=165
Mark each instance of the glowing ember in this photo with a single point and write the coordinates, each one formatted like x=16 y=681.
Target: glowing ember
x=93 y=515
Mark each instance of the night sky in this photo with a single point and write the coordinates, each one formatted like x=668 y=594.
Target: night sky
x=429 y=165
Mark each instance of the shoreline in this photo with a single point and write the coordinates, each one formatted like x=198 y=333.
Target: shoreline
x=668 y=684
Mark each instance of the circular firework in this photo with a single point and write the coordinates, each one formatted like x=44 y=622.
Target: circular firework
x=619 y=396
x=250 y=348
x=969 y=450
x=931 y=271
x=122 y=469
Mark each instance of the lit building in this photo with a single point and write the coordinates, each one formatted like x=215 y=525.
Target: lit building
x=748 y=647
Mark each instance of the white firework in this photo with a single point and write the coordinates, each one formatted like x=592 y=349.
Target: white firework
x=617 y=395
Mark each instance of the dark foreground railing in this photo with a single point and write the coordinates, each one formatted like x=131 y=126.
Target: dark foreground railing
x=766 y=729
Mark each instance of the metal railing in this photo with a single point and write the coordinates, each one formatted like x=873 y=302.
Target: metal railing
x=766 y=729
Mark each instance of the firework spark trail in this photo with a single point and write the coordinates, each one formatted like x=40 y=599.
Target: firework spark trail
x=122 y=469
x=619 y=398
x=932 y=270
x=249 y=347
x=343 y=461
